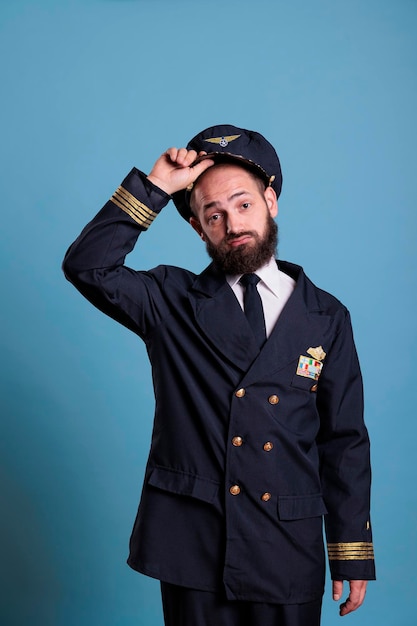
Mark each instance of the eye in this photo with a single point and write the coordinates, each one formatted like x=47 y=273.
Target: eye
x=214 y=219
x=246 y=205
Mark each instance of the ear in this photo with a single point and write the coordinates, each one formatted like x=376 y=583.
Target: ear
x=197 y=227
x=271 y=201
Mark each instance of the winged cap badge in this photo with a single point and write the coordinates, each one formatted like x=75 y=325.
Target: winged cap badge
x=317 y=353
x=222 y=141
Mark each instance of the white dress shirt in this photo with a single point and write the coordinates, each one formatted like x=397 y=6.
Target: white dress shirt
x=275 y=288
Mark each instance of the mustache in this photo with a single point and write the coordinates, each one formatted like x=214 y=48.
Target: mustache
x=245 y=233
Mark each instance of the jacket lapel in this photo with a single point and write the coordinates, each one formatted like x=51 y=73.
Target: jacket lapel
x=221 y=319
x=300 y=326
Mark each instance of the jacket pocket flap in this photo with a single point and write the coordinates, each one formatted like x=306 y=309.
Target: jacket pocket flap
x=184 y=484
x=301 y=507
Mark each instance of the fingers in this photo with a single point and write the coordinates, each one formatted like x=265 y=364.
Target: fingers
x=356 y=596
x=181 y=156
x=175 y=169
x=201 y=167
x=186 y=158
x=337 y=589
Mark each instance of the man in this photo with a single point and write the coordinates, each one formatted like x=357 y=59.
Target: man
x=258 y=429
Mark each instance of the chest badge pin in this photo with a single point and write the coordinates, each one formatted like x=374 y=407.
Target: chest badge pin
x=311 y=366
x=317 y=353
x=308 y=367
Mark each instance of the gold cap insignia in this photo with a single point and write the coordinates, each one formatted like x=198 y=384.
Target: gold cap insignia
x=222 y=141
x=317 y=353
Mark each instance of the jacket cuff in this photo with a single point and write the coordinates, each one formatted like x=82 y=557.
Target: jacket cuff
x=140 y=198
x=351 y=560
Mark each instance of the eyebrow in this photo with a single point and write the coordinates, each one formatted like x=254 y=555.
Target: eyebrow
x=215 y=203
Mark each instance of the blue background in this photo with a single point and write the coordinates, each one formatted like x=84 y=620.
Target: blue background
x=91 y=88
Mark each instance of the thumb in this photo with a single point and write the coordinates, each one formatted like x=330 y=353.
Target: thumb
x=201 y=167
x=337 y=589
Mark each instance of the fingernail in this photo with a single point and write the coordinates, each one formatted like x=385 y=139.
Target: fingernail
x=336 y=596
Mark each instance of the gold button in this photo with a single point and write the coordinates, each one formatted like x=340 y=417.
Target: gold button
x=266 y=496
x=240 y=393
x=237 y=441
x=314 y=387
x=268 y=446
x=273 y=399
x=235 y=490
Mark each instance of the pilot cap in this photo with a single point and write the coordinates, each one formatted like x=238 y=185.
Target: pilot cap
x=230 y=144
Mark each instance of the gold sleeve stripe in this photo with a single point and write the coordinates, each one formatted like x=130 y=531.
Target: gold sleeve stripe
x=134 y=201
x=143 y=223
x=140 y=219
x=133 y=207
x=136 y=209
x=356 y=551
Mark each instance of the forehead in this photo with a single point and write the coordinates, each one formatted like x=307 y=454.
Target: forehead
x=223 y=179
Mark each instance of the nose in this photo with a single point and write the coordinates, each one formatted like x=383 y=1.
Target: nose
x=233 y=222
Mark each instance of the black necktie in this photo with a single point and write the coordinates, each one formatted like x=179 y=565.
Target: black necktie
x=253 y=307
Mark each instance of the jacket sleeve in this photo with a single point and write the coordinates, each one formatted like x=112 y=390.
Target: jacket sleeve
x=345 y=461
x=94 y=263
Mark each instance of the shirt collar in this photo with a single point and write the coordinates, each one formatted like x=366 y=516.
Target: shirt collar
x=268 y=273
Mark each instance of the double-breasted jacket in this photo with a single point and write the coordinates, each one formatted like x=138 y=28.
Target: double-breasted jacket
x=250 y=449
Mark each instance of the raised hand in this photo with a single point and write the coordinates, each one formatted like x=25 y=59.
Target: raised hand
x=174 y=170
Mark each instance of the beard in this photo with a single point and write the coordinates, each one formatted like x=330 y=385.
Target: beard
x=246 y=258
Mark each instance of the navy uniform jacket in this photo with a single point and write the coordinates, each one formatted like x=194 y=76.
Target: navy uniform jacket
x=246 y=454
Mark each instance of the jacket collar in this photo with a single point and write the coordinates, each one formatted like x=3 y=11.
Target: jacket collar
x=222 y=320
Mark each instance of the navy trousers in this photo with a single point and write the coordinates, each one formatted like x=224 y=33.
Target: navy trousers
x=190 y=607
